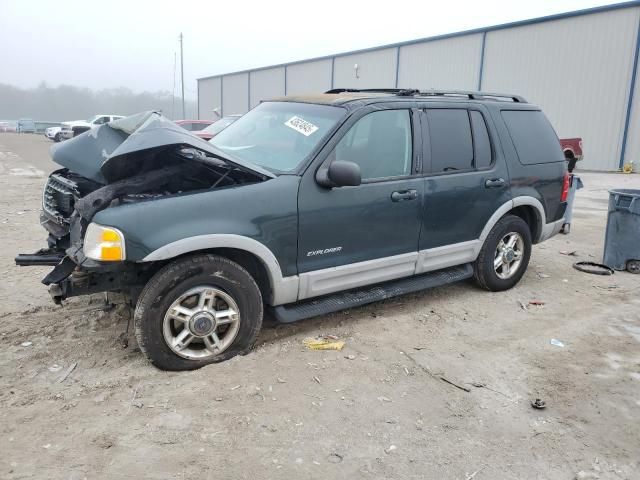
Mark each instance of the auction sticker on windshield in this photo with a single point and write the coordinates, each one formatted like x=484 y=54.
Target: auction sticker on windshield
x=301 y=126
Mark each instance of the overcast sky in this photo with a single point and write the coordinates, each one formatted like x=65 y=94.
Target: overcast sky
x=132 y=43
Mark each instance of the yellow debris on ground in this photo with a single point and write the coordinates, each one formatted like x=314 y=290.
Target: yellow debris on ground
x=323 y=344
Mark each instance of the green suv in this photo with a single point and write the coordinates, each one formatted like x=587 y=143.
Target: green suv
x=305 y=205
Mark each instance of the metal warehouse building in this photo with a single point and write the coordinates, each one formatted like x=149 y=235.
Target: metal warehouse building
x=580 y=67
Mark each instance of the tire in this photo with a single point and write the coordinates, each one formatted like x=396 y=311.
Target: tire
x=57 y=138
x=180 y=287
x=633 y=266
x=497 y=279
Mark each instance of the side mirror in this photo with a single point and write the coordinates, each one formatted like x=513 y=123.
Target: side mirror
x=340 y=174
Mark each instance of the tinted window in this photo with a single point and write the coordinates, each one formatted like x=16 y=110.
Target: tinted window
x=451 y=145
x=533 y=136
x=195 y=127
x=481 y=143
x=380 y=143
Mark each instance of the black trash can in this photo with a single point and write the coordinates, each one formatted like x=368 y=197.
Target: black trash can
x=622 y=239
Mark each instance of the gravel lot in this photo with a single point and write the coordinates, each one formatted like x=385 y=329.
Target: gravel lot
x=377 y=409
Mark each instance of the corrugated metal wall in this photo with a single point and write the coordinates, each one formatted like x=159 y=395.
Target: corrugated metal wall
x=209 y=98
x=235 y=93
x=375 y=69
x=309 y=77
x=452 y=63
x=632 y=153
x=577 y=68
x=266 y=84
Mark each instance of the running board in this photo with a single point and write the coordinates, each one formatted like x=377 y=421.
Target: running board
x=354 y=298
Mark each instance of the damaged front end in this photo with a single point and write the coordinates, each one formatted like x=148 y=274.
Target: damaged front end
x=139 y=158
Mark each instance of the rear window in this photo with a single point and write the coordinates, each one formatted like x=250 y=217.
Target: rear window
x=533 y=136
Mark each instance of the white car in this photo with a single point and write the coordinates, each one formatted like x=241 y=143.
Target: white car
x=54 y=133
x=76 y=127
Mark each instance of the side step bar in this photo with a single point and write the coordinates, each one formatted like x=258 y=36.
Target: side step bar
x=355 y=298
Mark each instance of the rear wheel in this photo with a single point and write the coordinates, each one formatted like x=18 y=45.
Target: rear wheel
x=504 y=256
x=633 y=266
x=58 y=137
x=196 y=311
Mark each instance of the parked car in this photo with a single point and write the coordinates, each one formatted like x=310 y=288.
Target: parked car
x=195 y=126
x=8 y=126
x=76 y=127
x=54 y=133
x=216 y=127
x=304 y=206
x=26 y=125
x=572 y=149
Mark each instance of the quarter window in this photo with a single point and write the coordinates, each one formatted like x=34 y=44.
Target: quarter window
x=481 y=143
x=380 y=143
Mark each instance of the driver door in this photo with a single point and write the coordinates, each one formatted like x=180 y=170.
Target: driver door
x=366 y=234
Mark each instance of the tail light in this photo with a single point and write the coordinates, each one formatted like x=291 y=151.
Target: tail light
x=565 y=187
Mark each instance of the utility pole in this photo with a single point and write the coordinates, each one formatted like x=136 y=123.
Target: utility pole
x=182 y=75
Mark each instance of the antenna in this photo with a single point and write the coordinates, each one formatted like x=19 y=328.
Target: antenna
x=182 y=75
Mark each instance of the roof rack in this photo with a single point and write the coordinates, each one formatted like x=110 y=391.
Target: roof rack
x=401 y=92
x=473 y=95
x=409 y=92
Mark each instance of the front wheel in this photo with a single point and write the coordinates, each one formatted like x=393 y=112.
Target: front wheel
x=504 y=256
x=196 y=311
x=57 y=138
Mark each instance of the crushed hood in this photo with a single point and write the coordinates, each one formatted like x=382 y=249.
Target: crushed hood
x=113 y=151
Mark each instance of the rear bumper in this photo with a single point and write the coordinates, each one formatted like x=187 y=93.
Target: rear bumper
x=551 y=229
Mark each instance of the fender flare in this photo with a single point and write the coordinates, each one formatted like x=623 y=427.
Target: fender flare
x=506 y=207
x=285 y=289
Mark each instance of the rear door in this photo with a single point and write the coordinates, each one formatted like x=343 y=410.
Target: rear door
x=353 y=236
x=466 y=182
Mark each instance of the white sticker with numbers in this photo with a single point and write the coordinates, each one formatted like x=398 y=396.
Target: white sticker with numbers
x=301 y=126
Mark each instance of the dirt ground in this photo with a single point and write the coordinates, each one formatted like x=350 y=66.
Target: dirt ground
x=376 y=409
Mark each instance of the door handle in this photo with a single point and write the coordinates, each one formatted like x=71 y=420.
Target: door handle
x=404 y=195
x=494 y=183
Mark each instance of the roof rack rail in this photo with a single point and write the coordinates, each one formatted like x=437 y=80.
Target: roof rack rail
x=408 y=92
x=473 y=95
x=401 y=92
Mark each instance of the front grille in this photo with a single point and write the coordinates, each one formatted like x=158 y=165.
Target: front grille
x=59 y=197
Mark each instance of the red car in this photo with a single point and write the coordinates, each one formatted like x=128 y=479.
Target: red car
x=572 y=148
x=194 y=126
x=216 y=127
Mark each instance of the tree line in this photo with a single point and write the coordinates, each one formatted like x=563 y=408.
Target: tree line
x=67 y=102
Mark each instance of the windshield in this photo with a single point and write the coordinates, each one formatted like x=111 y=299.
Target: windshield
x=278 y=135
x=217 y=127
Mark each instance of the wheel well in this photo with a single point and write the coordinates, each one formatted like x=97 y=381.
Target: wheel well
x=530 y=215
x=250 y=262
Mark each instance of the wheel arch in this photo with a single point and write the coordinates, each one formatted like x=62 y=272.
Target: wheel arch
x=252 y=255
x=528 y=208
